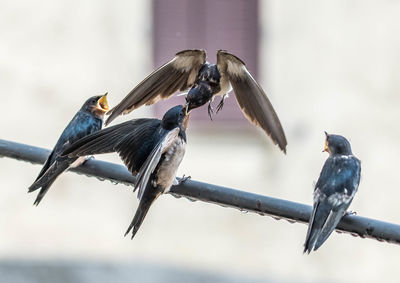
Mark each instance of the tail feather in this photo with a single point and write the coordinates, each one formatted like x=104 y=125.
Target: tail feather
x=48 y=179
x=149 y=196
x=140 y=214
x=307 y=243
x=310 y=241
x=47 y=164
x=318 y=218
x=43 y=191
x=330 y=225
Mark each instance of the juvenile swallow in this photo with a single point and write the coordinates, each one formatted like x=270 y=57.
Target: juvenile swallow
x=334 y=191
x=189 y=70
x=150 y=148
x=87 y=120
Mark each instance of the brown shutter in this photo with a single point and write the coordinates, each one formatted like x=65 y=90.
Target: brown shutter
x=210 y=25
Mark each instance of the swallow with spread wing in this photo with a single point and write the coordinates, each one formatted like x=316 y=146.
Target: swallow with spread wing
x=189 y=70
x=150 y=148
x=334 y=191
x=87 y=120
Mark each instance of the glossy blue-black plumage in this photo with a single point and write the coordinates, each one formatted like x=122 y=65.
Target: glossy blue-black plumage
x=135 y=141
x=85 y=122
x=207 y=84
x=334 y=191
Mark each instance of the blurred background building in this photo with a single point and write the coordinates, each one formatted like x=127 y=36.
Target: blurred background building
x=326 y=65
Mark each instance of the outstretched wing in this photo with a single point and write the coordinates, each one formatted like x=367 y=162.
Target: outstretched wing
x=153 y=159
x=133 y=140
x=178 y=74
x=103 y=141
x=251 y=98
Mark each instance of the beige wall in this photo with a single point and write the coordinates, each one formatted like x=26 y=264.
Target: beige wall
x=329 y=65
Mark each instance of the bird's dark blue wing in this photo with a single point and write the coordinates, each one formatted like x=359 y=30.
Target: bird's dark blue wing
x=82 y=124
x=133 y=140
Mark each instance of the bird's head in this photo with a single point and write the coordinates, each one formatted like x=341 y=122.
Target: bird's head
x=177 y=116
x=97 y=105
x=198 y=95
x=335 y=144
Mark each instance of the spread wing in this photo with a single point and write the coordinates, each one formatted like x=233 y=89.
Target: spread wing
x=133 y=140
x=178 y=74
x=153 y=159
x=251 y=98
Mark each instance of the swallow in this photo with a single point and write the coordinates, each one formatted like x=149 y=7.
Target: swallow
x=188 y=70
x=152 y=149
x=87 y=120
x=334 y=190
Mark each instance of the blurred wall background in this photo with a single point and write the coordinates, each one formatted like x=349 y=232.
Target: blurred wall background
x=326 y=65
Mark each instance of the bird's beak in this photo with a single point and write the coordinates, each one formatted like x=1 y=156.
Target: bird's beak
x=187 y=107
x=102 y=104
x=185 y=121
x=326 y=147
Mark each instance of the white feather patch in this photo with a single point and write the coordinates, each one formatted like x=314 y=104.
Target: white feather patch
x=337 y=199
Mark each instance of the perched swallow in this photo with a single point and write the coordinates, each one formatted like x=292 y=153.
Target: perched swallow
x=87 y=120
x=150 y=148
x=334 y=191
x=189 y=70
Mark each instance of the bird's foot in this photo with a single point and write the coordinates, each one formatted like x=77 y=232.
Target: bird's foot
x=184 y=179
x=210 y=111
x=351 y=212
x=220 y=104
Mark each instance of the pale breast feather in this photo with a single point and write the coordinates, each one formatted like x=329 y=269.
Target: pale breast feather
x=172 y=158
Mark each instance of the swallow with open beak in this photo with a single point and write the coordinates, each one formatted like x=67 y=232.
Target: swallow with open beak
x=334 y=191
x=87 y=120
x=189 y=70
x=150 y=148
